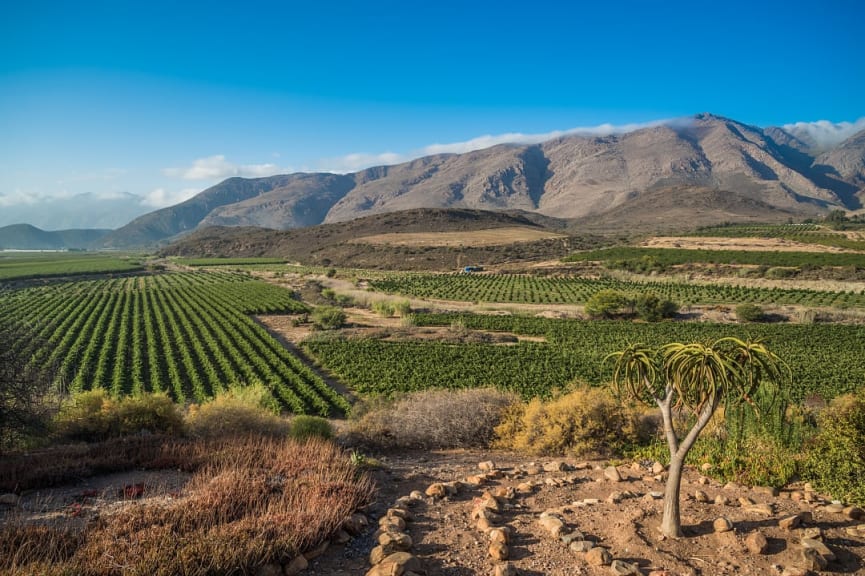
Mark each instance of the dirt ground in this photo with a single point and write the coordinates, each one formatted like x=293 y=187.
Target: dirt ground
x=490 y=237
x=620 y=516
x=752 y=244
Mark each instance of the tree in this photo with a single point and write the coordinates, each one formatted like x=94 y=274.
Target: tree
x=651 y=307
x=606 y=303
x=695 y=378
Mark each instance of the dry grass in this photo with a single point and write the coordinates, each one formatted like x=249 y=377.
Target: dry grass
x=251 y=501
x=752 y=244
x=433 y=419
x=489 y=237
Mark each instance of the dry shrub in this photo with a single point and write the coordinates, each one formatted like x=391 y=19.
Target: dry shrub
x=304 y=427
x=94 y=415
x=586 y=420
x=432 y=419
x=234 y=413
x=253 y=500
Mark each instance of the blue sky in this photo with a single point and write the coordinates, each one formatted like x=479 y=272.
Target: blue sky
x=162 y=99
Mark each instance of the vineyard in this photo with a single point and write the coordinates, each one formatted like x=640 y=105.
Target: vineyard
x=804 y=233
x=187 y=334
x=679 y=256
x=824 y=359
x=571 y=290
x=19 y=266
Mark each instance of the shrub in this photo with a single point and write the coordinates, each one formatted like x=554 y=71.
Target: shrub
x=651 y=307
x=586 y=420
x=431 y=419
x=606 y=303
x=240 y=411
x=328 y=318
x=330 y=272
x=93 y=415
x=835 y=460
x=307 y=427
x=748 y=312
x=781 y=272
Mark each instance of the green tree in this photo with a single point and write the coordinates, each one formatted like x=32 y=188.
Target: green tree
x=651 y=307
x=695 y=378
x=606 y=303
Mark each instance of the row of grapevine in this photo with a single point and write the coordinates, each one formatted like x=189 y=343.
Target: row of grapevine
x=187 y=334
x=572 y=290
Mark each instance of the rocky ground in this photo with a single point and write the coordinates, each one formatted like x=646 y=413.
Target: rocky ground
x=556 y=509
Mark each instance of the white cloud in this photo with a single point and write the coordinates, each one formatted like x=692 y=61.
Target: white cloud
x=824 y=134
x=160 y=197
x=218 y=168
x=358 y=161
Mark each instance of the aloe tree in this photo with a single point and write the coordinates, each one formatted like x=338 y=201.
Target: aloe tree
x=695 y=378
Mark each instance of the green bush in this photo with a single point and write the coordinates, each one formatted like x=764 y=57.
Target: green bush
x=835 y=460
x=307 y=427
x=328 y=317
x=240 y=411
x=94 y=415
x=606 y=303
x=748 y=312
x=780 y=272
x=651 y=307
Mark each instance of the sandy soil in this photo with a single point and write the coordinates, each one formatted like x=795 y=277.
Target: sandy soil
x=490 y=237
x=751 y=244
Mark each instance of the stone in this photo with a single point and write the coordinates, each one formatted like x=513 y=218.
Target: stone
x=416 y=495
x=821 y=548
x=525 y=488
x=436 y=490
x=656 y=495
x=404 y=502
x=623 y=568
x=555 y=466
x=770 y=491
x=479 y=512
x=705 y=466
x=341 y=537
x=794 y=571
x=504 y=492
x=701 y=496
x=355 y=524
x=790 y=522
x=657 y=468
x=745 y=501
x=504 y=569
x=796 y=496
x=854 y=513
x=500 y=535
x=399 y=513
x=483 y=524
x=614 y=497
x=598 y=556
x=660 y=573
x=834 y=508
x=703 y=481
x=722 y=500
x=389 y=523
x=487 y=466
x=376 y=555
x=764 y=509
x=815 y=533
x=396 y=564
x=611 y=473
x=452 y=488
x=573 y=536
x=722 y=524
x=498 y=551
x=476 y=480
x=317 y=551
x=297 y=565
x=269 y=569
x=532 y=470
x=581 y=546
x=757 y=543
x=552 y=525
x=395 y=542
x=812 y=560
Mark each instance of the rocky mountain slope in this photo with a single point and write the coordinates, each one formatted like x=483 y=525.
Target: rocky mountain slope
x=728 y=170
x=27 y=237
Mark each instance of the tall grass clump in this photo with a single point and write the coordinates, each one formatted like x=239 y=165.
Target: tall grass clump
x=241 y=410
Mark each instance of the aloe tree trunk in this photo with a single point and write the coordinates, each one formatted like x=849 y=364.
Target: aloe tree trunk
x=671 y=524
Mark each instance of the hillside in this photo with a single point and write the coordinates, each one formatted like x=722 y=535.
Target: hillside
x=27 y=237
x=336 y=245
x=739 y=172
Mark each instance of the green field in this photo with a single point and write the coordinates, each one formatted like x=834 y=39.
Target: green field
x=24 y=265
x=241 y=262
x=679 y=256
x=805 y=233
x=187 y=334
x=569 y=290
x=825 y=360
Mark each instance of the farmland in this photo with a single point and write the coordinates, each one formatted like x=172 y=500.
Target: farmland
x=19 y=266
x=677 y=256
x=187 y=334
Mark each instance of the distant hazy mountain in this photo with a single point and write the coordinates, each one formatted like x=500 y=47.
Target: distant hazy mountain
x=722 y=169
x=80 y=211
x=27 y=237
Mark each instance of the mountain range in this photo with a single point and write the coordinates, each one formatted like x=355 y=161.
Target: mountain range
x=699 y=170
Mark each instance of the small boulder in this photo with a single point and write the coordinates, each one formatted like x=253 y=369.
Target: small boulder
x=810 y=559
x=623 y=568
x=395 y=542
x=317 y=551
x=722 y=524
x=498 y=551
x=552 y=525
x=722 y=500
x=790 y=522
x=581 y=546
x=598 y=556
x=701 y=496
x=436 y=490
x=854 y=513
x=504 y=569
x=611 y=473
x=555 y=466
x=657 y=468
x=396 y=564
x=756 y=543
x=820 y=547
x=502 y=535
x=355 y=524
x=574 y=536
x=487 y=466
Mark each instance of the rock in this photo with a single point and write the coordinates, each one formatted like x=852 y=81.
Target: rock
x=532 y=470
x=396 y=564
x=404 y=502
x=722 y=500
x=452 y=488
x=614 y=497
x=657 y=468
x=611 y=473
x=660 y=573
x=395 y=542
x=598 y=556
x=476 y=480
x=854 y=513
x=764 y=509
x=355 y=524
x=815 y=533
x=745 y=501
x=502 y=535
x=705 y=466
x=834 y=508
x=770 y=491
x=703 y=481
x=525 y=488
x=722 y=524
x=504 y=492
x=794 y=571
x=581 y=546
x=9 y=499
x=483 y=524
x=391 y=523
x=317 y=551
x=297 y=565
x=436 y=490
x=555 y=466
x=656 y=495
x=376 y=555
x=790 y=522
x=341 y=537
x=487 y=466
x=569 y=537
x=504 y=569
x=270 y=569
x=552 y=525
x=756 y=543
x=416 y=495
x=796 y=496
x=479 y=512
x=811 y=560
x=701 y=496
x=498 y=551
x=821 y=548
x=623 y=568
x=399 y=513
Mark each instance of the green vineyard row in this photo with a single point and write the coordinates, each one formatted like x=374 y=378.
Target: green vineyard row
x=187 y=334
x=570 y=290
x=825 y=360
x=678 y=256
x=19 y=266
